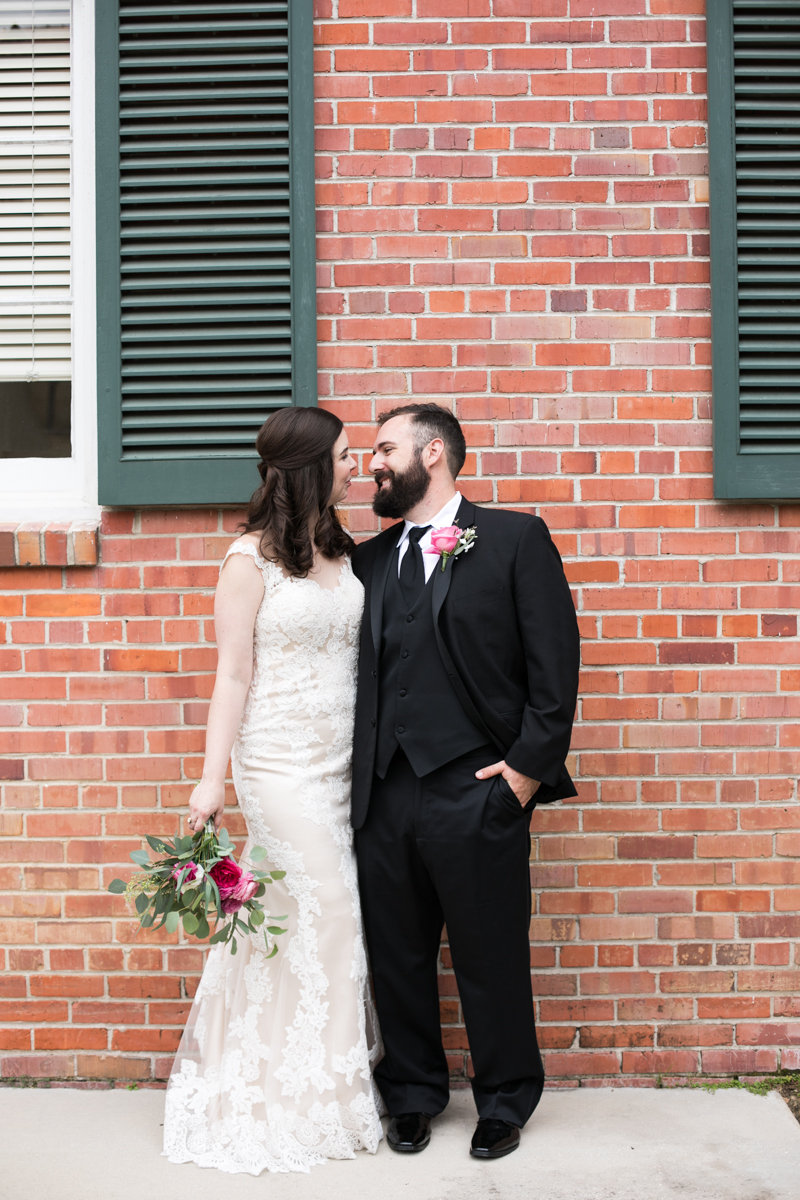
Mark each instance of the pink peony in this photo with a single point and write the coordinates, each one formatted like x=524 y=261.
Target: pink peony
x=191 y=872
x=248 y=886
x=445 y=540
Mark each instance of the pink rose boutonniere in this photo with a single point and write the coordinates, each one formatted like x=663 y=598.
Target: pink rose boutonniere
x=452 y=540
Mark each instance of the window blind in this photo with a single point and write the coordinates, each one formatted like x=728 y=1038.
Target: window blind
x=35 y=150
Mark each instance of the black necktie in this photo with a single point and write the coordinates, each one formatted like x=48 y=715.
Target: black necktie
x=412 y=568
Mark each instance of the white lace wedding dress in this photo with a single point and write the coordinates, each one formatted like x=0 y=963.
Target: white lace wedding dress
x=274 y=1068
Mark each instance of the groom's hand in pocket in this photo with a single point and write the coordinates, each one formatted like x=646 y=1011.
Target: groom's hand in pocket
x=523 y=787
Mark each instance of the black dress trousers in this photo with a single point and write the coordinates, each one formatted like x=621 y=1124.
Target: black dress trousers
x=450 y=848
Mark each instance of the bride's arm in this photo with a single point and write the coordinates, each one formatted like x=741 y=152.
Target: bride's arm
x=238 y=597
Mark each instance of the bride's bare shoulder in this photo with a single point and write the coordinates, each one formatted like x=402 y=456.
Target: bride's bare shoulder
x=243 y=556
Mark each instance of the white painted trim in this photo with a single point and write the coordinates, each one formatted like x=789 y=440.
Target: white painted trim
x=65 y=489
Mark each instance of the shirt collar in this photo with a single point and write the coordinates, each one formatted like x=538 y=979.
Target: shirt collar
x=445 y=516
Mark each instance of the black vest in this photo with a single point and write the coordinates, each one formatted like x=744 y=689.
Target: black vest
x=418 y=709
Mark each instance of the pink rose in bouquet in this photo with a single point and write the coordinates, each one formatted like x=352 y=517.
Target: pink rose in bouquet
x=444 y=540
x=190 y=868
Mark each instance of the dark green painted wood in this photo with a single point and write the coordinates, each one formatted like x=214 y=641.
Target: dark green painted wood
x=205 y=241
x=744 y=468
x=109 y=412
x=303 y=252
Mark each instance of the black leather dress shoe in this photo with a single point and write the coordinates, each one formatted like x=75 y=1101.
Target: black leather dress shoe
x=494 y=1138
x=409 y=1133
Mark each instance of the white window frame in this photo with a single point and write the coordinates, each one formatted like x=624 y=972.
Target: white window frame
x=65 y=489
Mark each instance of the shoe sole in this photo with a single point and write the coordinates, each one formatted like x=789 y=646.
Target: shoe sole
x=494 y=1153
x=407 y=1149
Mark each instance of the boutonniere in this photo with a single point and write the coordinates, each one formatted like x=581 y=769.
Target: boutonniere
x=451 y=540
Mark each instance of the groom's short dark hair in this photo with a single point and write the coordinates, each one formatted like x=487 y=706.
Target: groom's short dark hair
x=431 y=421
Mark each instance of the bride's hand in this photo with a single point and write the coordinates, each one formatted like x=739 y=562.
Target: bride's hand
x=207 y=800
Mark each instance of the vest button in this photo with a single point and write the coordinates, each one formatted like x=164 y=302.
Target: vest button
x=404 y=654
x=374 y=674
x=404 y=692
x=410 y=618
x=401 y=728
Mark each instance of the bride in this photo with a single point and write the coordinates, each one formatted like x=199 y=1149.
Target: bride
x=274 y=1068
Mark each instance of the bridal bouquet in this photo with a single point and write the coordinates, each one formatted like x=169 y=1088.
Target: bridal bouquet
x=198 y=881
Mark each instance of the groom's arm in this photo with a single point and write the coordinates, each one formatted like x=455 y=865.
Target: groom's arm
x=549 y=630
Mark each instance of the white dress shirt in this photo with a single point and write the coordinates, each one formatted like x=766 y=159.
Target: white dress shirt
x=446 y=516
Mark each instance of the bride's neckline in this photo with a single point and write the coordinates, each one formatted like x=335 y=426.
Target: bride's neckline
x=321 y=586
x=245 y=542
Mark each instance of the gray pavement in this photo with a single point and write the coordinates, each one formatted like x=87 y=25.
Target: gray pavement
x=586 y=1144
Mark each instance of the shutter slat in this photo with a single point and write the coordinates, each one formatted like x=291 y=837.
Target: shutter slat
x=173 y=168
x=766 y=76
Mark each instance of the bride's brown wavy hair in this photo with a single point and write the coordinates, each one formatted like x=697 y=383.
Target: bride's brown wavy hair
x=296 y=469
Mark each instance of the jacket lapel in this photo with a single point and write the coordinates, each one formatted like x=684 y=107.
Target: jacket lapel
x=380 y=573
x=384 y=559
x=441 y=578
x=441 y=586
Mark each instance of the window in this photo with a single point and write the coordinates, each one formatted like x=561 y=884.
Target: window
x=754 y=119
x=35 y=292
x=206 y=264
x=47 y=396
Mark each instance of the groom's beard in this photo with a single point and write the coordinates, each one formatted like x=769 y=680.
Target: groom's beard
x=404 y=490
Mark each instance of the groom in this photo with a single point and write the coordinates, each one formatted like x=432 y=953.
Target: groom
x=467 y=685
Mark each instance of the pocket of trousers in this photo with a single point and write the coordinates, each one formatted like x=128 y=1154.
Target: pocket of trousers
x=507 y=794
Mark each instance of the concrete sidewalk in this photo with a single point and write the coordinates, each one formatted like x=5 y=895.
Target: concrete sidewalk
x=588 y=1144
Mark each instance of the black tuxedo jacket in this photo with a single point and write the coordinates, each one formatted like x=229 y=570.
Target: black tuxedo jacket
x=508 y=636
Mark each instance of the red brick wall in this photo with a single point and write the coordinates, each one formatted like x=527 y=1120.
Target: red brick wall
x=512 y=212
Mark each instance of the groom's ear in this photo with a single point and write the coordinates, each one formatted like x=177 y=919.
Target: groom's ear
x=434 y=453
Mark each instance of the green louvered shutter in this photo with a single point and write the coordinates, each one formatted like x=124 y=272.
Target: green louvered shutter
x=754 y=135
x=205 y=218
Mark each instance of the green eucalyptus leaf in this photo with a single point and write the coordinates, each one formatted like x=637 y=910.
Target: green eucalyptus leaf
x=171 y=922
x=275 y=930
x=155 y=844
x=274 y=949
x=117 y=886
x=141 y=858
x=258 y=917
x=259 y=891
x=257 y=853
x=215 y=892
x=202 y=930
x=219 y=936
x=278 y=874
x=147 y=920
x=142 y=902
x=233 y=945
x=224 y=837
x=190 y=922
